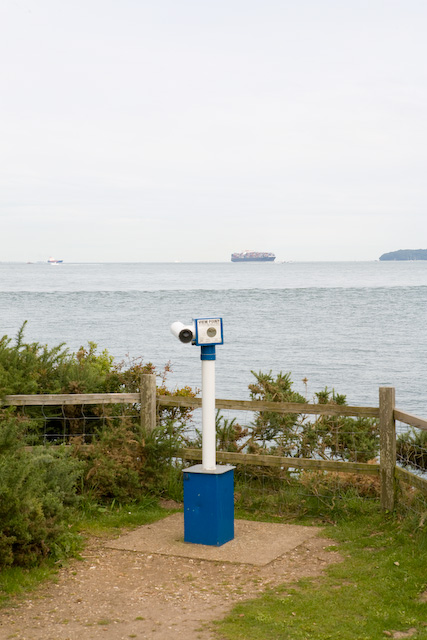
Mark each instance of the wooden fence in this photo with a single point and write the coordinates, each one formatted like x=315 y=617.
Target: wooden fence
x=387 y=414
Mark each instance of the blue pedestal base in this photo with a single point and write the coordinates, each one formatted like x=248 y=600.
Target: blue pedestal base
x=209 y=505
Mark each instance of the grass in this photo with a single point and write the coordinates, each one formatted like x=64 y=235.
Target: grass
x=374 y=592
x=98 y=520
x=16 y=581
x=310 y=498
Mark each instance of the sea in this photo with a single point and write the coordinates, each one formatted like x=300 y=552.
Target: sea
x=348 y=326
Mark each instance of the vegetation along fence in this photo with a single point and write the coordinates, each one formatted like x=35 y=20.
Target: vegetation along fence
x=390 y=466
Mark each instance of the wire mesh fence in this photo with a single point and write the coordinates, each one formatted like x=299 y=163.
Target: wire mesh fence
x=287 y=488
x=318 y=437
x=246 y=431
x=288 y=458
x=411 y=456
x=268 y=484
x=64 y=424
x=411 y=448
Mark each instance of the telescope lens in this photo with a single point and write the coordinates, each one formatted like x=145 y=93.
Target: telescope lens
x=211 y=332
x=186 y=335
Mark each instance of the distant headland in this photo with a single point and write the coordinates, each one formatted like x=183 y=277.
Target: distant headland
x=405 y=254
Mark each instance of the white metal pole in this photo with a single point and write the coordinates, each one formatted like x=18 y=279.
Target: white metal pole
x=208 y=415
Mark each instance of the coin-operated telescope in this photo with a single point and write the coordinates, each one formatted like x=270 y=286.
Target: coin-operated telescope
x=201 y=332
x=205 y=333
x=208 y=488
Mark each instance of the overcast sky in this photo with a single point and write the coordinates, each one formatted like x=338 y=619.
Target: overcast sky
x=164 y=130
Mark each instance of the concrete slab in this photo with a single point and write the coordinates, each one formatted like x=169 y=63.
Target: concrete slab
x=255 y=543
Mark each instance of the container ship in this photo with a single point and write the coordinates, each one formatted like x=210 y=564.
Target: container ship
x=253 y=256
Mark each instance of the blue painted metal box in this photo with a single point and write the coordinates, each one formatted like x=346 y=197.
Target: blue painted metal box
x=209 y=505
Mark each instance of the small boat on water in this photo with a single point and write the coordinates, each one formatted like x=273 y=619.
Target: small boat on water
x=54 y=261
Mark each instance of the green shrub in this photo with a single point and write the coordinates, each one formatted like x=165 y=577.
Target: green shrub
x=28 y=368
x=37 y=489
x=270 y=426
x=32 y=368
x=295 y=435
x=119 y=460
x=125 y=462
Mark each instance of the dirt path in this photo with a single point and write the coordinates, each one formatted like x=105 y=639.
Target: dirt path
x=117 y=594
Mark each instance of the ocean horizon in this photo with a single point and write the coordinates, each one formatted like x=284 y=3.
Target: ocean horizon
x=351 y=326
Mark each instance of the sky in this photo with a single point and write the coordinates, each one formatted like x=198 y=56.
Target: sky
x=166 y=130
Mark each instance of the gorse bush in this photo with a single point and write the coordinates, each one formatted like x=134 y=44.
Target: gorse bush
x=37 y=490
x=124 y=461
x=117 y=461
x=296 y=434
x=29 y=368
x=269 y=426
x=32 y=368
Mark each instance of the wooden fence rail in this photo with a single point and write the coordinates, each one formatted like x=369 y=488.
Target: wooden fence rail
x=55 y=400
x=408 y=418
x=283 y=462
x=276 y=407
x=386 y=412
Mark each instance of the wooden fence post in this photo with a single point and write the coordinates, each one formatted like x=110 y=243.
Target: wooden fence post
x=148 y=401
x=387 y=448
